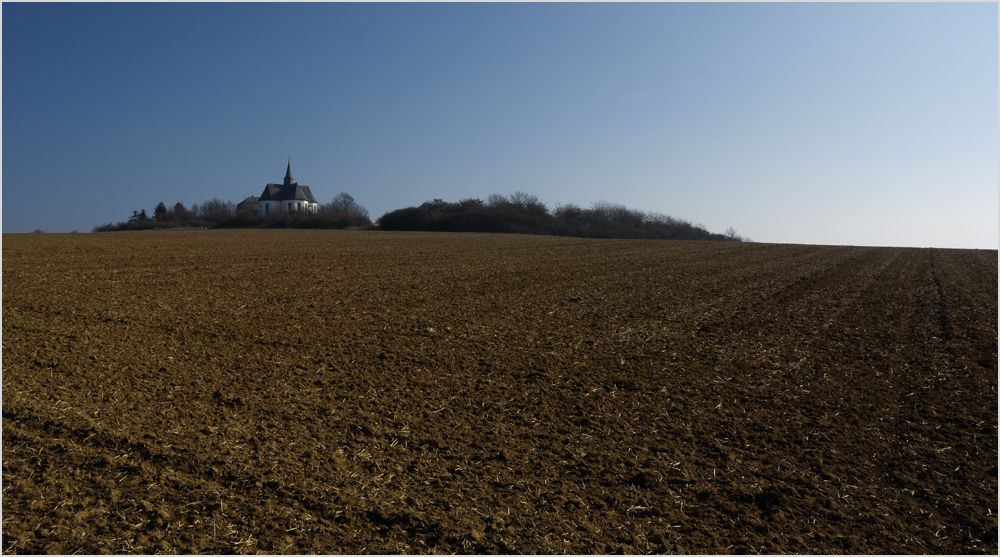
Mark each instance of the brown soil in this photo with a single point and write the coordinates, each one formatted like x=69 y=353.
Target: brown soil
x=365 y=392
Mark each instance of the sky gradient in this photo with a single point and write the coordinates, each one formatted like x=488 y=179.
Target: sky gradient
x=857 y=124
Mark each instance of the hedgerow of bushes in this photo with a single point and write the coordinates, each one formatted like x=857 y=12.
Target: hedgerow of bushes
x=522 y=213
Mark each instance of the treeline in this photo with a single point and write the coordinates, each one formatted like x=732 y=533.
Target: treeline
x=341 y=212
x=519 y=213
x=522 y=213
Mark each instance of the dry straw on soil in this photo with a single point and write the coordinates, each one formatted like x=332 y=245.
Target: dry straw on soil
x=363 y=392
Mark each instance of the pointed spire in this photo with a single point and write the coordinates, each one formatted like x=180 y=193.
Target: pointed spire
x=288 y=173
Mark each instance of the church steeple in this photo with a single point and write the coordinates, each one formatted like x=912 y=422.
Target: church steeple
x=288 y=173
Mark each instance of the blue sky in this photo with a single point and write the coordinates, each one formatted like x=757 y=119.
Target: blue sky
x=863 y=124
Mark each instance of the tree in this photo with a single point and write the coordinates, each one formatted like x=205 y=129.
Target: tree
x=216 y=210
x=495 y=200
x=343 y=205
x=180 y=212
x=138 y=216
x=437 y=205
x=569 y=212
x=528 y=204
x=161 y=213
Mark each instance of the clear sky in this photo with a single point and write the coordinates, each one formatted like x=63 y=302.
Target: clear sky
x=863 y=124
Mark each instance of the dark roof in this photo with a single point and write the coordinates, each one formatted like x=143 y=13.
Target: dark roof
x=288 y=191
x=292 y=192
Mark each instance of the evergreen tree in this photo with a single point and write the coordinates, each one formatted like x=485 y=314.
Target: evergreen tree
x=160 y=213
x=180 y=212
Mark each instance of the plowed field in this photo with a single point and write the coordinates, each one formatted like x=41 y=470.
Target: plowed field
x=366 y=392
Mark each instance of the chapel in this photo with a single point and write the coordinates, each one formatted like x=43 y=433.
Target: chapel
x=287 y=197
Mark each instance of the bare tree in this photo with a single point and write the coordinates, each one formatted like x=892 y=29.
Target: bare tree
x=496 y=200
x=732 y=235
x=527 y=203
x=216 y=210
x=343 y=205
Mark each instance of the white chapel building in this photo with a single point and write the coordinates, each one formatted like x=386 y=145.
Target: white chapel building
x=288 y=197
